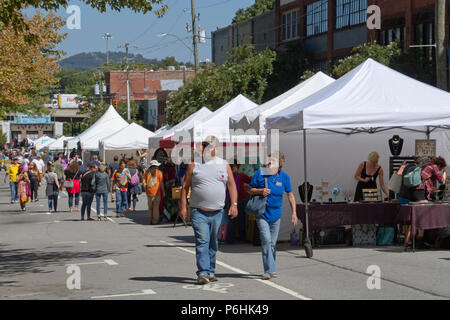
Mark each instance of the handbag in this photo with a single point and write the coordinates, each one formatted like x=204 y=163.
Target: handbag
x=395 y=182
x=68 y=184
x=257 y=204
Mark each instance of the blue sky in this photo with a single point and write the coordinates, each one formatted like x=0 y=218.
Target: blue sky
x=142 y=30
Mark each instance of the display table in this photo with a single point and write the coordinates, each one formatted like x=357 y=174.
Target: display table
x=335 y=215
x=424 y=217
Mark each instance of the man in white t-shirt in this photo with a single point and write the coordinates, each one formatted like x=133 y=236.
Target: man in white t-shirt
x=39 y=164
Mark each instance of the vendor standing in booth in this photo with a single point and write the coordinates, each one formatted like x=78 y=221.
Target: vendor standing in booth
x=367 y=174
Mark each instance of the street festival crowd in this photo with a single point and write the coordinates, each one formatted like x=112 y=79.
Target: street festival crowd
x=218 y=194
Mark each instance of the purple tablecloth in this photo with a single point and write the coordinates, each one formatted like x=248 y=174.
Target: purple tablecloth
x=424 y=216
x=335 y=215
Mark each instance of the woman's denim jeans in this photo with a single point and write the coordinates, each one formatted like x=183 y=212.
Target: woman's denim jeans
x=268 y=232
x=105 y=203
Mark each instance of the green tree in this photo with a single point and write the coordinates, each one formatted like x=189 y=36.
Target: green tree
x=10 y=14
x=292 y=60
x=258 y=8
x=413 y=63
x=245 y=72
x=28 y=68
x=2 y=138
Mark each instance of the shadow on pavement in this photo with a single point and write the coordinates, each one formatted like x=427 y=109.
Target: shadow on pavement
x=22 y=261
x=166 y=279
x=166 y=246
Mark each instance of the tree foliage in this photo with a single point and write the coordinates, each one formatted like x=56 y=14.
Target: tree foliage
x=10 y=14
x=258 y=8
x=28 y=68
x=292 y=60
x=245 y=72
x=412 y=63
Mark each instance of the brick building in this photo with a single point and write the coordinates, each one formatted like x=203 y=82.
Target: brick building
x=331 y=28
x=144 y=88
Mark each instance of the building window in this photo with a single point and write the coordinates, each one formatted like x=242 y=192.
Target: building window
x=388 y=36
x=350 y=13
x=290 y=25
x=317 y=17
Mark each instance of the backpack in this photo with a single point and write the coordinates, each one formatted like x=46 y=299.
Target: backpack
x=413 y=177
x=135 y=179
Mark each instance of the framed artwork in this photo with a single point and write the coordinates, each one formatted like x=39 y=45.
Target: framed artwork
x=425 y=148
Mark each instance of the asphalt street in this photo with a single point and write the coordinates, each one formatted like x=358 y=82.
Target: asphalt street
x=126 y=258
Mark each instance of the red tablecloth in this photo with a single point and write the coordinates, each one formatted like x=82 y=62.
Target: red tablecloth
x=424 y=216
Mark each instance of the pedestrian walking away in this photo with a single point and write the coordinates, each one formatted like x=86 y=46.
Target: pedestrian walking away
x=154 y=188
x=52 y=188
x=12 y=173
x=88 y=191
x=73 y=179
x=121 y=177
x=278 y=183
x=102 y=187
x=208 y=177
x=134 y=186
x=35 y=180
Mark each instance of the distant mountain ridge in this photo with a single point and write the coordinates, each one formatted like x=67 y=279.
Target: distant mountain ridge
x=89 y=60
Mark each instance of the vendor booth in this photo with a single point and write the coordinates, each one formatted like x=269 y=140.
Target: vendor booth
x=124 y=142
x=328 y=134
x=58 y=145
x=109 y=123
x=42 y=142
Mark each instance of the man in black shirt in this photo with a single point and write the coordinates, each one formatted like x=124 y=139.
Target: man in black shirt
x=88 y=191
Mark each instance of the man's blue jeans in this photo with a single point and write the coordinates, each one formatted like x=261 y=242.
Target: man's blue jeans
x=206 y=229
x=13 y=188
x=105 y=203
x=121 y=201
x=268 y=232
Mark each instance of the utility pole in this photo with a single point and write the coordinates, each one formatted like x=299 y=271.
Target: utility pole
x=127 y=46
x=441 y=56
x=195 y=34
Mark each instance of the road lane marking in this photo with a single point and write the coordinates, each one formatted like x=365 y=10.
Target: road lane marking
x=68 y=242
x=108 y=262
x=143 y=293
x=216 y=287
x=25 y=295
x=237 y=270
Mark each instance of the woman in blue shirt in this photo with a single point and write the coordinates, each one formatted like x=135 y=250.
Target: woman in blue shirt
x=278 y=183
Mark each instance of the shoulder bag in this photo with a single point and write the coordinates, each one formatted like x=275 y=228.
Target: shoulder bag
x=257 y=204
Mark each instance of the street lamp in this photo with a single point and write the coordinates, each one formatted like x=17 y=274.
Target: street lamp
x=161 y=35
x=107 y=36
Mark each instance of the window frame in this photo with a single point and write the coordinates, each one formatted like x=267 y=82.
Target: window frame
x=287 y=23
x=349 y=13
x=321 y=15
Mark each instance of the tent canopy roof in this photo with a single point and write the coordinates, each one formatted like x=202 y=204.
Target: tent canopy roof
x=217 y=123
x=370 y=96
x=255 y=118
x=58 y=144
x=108 y=123
x=186 y=124
x=131 y=137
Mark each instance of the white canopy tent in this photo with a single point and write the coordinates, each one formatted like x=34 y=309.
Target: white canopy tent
x=109 y=123
x=256 y=117
x=131 y=138
x=372 y=98
x=43 y=142
x=218 y=123
x=185 y=125
x=58 y=144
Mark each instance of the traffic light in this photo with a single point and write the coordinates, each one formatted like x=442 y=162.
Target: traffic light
x=115 y=103
x=86 y=104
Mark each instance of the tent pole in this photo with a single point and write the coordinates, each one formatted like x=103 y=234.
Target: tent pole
x=307 y=245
